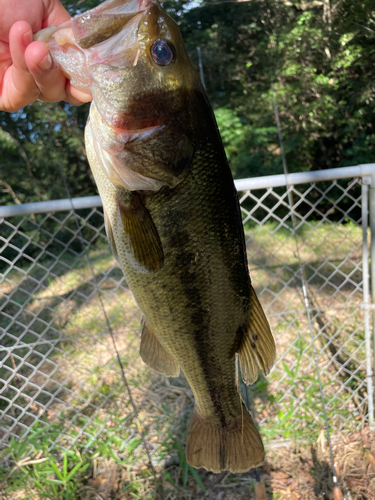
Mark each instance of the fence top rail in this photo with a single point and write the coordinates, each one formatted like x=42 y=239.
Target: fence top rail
x=271 y=181
x=267 y=181
x=50 y=206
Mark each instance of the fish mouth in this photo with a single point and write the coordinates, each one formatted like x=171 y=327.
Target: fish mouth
x=120 y=126
x=109 y=144
x=108 y=36
x=104 y=33
x=123 y=123
x=106 y=20
x=92 y=48
x=113 y=30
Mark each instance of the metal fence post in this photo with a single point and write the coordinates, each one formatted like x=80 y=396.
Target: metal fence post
x=372 y=261
x=366 y=182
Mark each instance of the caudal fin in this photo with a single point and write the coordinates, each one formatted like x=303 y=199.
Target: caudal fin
x=236 y=448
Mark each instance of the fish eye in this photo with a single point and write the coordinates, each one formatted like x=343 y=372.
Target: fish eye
x=162 y=52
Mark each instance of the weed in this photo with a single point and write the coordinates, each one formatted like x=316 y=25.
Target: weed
x=186 y=468
x=34 y=469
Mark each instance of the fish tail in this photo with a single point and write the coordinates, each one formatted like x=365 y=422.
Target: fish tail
x=237 y=447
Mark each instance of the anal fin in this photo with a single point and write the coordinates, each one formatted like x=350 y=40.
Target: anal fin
x=257 y=350
x=155 y=355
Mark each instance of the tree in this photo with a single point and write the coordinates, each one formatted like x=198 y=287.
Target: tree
x=319 y=54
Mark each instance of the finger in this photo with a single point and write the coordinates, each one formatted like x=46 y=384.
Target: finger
x=4 y=65
x=18 y=86
x=49 y=77
x=20 y=36
x=56 y=13
x=70 y=99
x=4 y=51
x=46 y=73
x=76 y=94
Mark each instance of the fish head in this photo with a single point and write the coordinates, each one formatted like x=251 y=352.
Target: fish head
x=152 y=75
x=131 y=56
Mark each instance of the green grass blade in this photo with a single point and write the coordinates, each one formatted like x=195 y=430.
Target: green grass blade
x=186 y=472
x=65 y=465
x=57 y=471
x=198 y=480
x=78 y=467
x=291 y=374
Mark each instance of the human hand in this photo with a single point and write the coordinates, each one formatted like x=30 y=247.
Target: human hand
x=27 y=70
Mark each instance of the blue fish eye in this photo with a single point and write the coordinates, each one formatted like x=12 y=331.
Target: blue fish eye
x=162 y=52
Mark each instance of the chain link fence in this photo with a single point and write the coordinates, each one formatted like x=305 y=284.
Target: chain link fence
x=59 y=374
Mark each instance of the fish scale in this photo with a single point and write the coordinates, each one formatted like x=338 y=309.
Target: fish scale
x=173 y=220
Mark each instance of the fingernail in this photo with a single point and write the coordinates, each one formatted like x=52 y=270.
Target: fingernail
x=46 y=62
x=27 y=38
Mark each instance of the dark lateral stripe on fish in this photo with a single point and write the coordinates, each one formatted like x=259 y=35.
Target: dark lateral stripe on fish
x=203 y=347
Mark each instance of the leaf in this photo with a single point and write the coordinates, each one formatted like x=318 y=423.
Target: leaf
x=57 y=471
x=291 y=374
x=371 y=458
x=186 y=472
x=65 y=465
x=198 y=480
x=78 y=467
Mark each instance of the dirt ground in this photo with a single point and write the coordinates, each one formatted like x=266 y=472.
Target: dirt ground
x=291 y=472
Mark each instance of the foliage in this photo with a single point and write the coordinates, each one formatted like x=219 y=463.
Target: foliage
x=63 y=474
x=185 y=467
x=320 y=56
x=29 y=465
x=35 y=143
x=34 y=469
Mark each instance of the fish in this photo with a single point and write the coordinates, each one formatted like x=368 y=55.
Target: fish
x=172 y=216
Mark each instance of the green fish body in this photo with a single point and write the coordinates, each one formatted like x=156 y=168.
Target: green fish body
x=172 y=218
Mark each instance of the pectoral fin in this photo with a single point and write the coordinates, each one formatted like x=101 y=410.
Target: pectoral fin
x=155 y=355
x=257 y=350
x=141 y=231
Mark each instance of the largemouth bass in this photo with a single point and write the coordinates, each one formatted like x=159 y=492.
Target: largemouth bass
x=172 y=216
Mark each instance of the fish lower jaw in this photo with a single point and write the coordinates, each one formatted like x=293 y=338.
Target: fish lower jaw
x=126 y=135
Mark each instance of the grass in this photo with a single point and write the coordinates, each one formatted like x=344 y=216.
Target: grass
x=63 y=370
x=31 y=467
x=292 y=471
x=61 y=475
